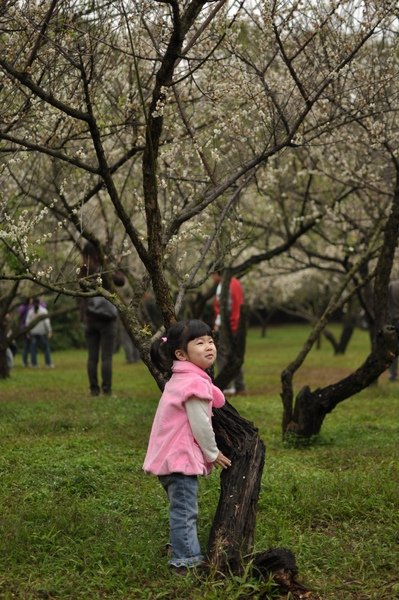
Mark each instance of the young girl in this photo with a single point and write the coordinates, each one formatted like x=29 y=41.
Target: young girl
x=182 y=442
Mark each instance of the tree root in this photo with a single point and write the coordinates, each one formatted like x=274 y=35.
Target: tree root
x=280 y=564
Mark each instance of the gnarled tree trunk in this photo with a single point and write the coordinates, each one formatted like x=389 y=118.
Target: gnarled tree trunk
x=304 y=417
x=233 y=529
x=311 y=407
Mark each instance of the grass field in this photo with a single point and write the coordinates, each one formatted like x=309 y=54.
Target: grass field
x=79 y=519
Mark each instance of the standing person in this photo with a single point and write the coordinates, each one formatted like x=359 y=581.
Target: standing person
x=40 y=333
x=235 y=301
x=393 y=305
x=100 y=319
x=182 y=442
x=23 y=309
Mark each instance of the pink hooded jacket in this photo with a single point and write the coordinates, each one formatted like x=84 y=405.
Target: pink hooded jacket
x=172 y=447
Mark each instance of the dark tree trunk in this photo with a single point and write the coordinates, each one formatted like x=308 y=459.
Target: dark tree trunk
x=264 y=321
x=312 y=407
x=304 y=417
x=230 y=546
x=346 y=335
x=236 y=344
x=5 y=306
x=348 y=327
x=4 y=370
x=233 y=529
x=341 y=344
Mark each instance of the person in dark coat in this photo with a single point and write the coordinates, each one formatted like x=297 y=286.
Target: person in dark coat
x=100 y=329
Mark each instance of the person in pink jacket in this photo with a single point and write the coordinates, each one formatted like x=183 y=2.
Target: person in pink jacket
x=182 y=442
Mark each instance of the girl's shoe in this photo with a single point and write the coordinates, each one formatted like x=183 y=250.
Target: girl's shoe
x=180 y=571
x=183 y=571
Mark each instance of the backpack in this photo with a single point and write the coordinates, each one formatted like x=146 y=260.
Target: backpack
x=101 y=308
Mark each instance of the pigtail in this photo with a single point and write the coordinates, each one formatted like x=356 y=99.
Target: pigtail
x=211 y=372
x=161 y=356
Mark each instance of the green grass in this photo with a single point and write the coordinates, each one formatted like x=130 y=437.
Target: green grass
x=79 y=519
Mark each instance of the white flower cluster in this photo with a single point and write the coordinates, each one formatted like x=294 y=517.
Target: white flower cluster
x=19 y=231
x=160 y=105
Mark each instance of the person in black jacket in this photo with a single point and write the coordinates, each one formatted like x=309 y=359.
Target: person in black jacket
x=100 y=329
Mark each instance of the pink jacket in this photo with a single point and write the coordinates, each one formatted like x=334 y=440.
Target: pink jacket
x=172 y=447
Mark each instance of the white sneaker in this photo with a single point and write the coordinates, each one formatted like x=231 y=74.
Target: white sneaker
x=230 y=391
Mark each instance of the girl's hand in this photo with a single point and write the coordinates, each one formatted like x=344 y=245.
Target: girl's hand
x=222 y=461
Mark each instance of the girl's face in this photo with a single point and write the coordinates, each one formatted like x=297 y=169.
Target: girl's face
x=201 y=352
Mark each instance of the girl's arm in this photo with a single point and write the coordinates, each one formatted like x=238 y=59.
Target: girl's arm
x=201 y=426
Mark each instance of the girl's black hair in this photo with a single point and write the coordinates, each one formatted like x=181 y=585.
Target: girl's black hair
x=177 y=337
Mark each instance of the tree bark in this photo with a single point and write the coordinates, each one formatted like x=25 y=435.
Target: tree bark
x=233 y=529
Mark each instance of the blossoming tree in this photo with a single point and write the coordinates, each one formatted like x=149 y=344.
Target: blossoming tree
x=147 y=128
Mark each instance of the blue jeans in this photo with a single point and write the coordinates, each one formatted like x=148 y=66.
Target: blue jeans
x=183 y=513
x=41 y=340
